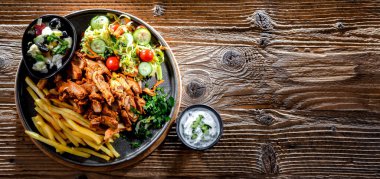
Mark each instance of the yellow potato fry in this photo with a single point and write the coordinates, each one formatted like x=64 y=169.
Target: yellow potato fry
x=61 y=134
x=92 y=144
x=47 y=107
x=78 y=139
x=89 y=151
x=32 y=93
x=97 y=138
x=105 y=150
x=44 y=127
x=48 y=118
x=32 y=85
x=71 y=139
x=45 y=91
x=61 y=104
x=114 y=152
x=57 y=145
x=77 y=115
x=39 y=128
x=58 y=137
x=71 y=117
x=80 y=135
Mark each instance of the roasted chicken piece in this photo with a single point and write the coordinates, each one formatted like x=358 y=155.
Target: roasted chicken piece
x=140 y=103
x=79 y=105
x=134 y=85
x=103 y=87
x=93 y=66
x=110 y=133
x=76 y=67
x=109 y=121
x=42 y=83
x=127 y=121
x=74 y=90
x=96 y=106
x=108 y=112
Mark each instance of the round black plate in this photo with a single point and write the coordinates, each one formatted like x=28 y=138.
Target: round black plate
x=25 y=104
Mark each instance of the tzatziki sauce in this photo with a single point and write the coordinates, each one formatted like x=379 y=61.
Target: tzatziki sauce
x=199 y=127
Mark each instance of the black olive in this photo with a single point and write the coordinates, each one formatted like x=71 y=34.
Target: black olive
x=55 y=23
x=42 y=47
x=64 y=34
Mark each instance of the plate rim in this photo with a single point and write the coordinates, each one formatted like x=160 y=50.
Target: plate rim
x=151 y=146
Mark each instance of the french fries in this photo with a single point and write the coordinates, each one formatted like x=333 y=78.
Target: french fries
x=110 y=147
x=61 y=104
x=57 y=145
x=89 y=151
x=61 y=127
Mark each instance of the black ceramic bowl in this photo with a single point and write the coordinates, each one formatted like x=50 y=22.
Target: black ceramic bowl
x=201 y=107
x=28 y=37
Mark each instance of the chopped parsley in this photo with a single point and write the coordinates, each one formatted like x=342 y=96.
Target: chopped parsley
x=157 y=110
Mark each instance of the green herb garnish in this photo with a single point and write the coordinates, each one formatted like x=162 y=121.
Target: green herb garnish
x=199 y=123
x=157 y=110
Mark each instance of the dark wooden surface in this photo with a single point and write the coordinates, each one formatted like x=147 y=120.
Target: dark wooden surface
x=297 y=84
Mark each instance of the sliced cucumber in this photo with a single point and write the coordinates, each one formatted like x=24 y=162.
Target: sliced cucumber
x=142 y=36
x=98 y=46
x=128 y=39
x=99 y=22
x=145 y=68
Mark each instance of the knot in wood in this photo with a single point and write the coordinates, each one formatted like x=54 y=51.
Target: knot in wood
x=261 y=19
x=233 y=60
x=269 y=159
x=158 y=10
x=339 y=25
x=195 y=89
x=263 y=41
x=265 y=119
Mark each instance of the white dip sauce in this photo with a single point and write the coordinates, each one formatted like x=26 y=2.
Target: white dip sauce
x=196 y=132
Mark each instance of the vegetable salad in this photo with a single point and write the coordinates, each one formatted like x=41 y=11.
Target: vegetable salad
x=123 y=46
x=49 y=45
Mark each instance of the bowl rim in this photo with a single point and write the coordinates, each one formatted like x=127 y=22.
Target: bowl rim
x=68 y=57
x=209 y=108
x=152 y=144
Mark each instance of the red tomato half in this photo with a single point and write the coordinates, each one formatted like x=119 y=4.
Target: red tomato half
x=146 y=55
x=112 y=63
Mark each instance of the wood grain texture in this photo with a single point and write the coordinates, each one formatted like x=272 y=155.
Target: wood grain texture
x=297 y=84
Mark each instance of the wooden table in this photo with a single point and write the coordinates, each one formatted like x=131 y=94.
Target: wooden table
x=296 y=83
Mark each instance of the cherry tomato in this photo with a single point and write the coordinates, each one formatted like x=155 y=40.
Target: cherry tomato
x=112 y=63
x=146 y=55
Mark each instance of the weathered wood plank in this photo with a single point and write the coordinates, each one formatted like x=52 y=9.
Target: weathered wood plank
x=299 y=91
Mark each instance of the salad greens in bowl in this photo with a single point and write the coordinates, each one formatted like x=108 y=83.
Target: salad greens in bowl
x=47 y=45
